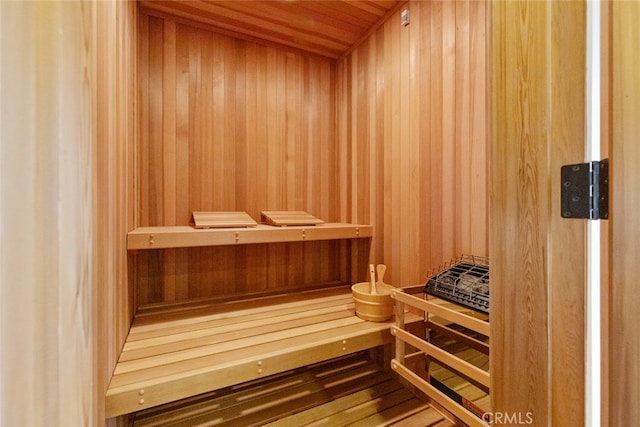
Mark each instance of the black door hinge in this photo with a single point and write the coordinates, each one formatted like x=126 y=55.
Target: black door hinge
x=585 y=190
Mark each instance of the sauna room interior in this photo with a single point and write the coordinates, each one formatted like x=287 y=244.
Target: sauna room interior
x=191 y=188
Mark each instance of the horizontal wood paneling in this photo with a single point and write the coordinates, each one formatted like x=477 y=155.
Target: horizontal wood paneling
x=412 y=132
x=226 y=125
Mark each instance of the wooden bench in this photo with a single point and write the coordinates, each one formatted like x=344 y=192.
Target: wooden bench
x=347 y=391
x=175 y=351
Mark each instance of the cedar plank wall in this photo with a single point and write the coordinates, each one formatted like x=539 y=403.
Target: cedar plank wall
x=606 y=122
x=68 y=123
x=412 y=132
x=227 y=124
x=230 y=125
x=538 y=258
x=116 y=134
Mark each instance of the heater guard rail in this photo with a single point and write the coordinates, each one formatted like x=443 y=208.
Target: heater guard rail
x=402 y=337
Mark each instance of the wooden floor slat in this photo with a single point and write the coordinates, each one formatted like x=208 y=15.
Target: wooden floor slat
x=366 y=409
x=229 y=396
x=454 y=382
x=399 y=414
x=170 y=356
x=321 y=413
x=350 y=390
x=427 y=417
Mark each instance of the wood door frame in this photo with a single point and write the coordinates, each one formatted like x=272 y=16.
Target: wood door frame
x=537 y=88
x=544 y=374
x=621 y=384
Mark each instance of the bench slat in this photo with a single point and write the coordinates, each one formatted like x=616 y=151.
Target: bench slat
x=203 y=337
x=204 y=322
x=135 y=371
x=189 y=306
x=155 y=387
x=182 y=357
x=250 y=343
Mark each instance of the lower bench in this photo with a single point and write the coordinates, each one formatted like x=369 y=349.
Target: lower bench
x=348 y=391
x=175 y=351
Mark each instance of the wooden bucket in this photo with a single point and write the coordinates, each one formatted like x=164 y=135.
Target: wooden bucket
x=376 y=308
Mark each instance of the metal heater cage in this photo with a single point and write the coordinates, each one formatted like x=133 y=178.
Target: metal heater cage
x=464 y=281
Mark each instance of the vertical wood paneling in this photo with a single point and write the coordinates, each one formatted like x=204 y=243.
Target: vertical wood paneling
x=421 y=22
x=624 y=374
x=537 y=258
x=411 y=161
x=436 y=117
x=478 y=171
x=412 y=113
x=567 y=262
x=116 y=134
x=403 y=129
x=463 y=123
x=182 y=123
x=450 y=120
x=227 y=124
x=68 y=83
x=606 y=134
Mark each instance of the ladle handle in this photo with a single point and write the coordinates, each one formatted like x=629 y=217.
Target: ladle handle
x=372 y=273
x=381 y=269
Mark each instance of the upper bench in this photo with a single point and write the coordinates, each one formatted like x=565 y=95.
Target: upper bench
x=186 y=236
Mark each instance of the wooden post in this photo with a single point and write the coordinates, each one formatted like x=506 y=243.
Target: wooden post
x=400 y=345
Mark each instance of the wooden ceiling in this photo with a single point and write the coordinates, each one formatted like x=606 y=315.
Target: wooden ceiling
x=328 y=28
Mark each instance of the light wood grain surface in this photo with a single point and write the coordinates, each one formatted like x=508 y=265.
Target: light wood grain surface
x=68 y=79
x=46 y=170
x=173 y=352
x=181 y=236
x=287 y=218
x=410 y=155
x=327 y=29
x=116 y=134
x=349 y=391
x=222 y=219
x=410 y=158
x=412 y=134
x=252 y=128
x=230 y=125
x=537 y=258
x=623 y=380
x=606 y=136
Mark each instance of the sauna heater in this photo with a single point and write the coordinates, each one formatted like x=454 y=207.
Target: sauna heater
x=464 y=281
